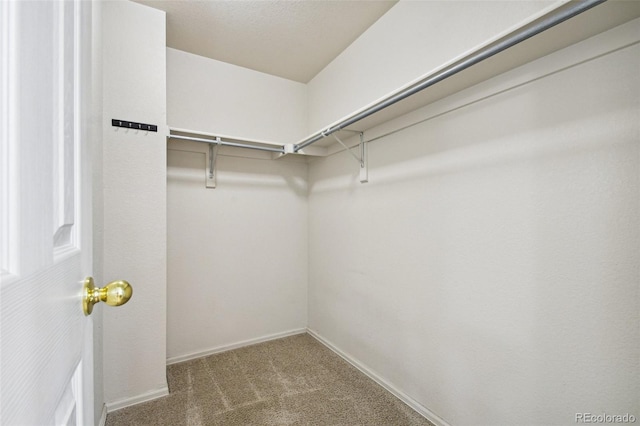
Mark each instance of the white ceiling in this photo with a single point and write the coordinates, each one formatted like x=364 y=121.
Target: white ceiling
x=294 y=39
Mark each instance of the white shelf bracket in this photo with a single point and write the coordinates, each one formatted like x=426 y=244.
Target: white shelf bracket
x=362 y=160
x=212 y=156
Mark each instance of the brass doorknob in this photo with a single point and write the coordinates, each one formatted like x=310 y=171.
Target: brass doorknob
x=115 y=293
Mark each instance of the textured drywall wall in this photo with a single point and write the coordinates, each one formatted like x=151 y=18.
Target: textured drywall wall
x=134 y=179
x=489 y=269
x=212 y=96
x=237 y=262
x=410 y=40
x=237 y=266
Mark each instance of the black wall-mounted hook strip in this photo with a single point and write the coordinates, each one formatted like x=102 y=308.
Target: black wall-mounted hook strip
x=133 y=125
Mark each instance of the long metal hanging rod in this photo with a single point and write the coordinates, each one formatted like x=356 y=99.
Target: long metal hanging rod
x=511 y=40
x=227 y=143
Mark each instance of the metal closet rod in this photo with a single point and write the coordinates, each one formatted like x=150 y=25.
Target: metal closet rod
x=521 y=35
x=227 y=143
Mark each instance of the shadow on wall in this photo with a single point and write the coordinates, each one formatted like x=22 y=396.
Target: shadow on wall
x=189 y=168
x=519 y=125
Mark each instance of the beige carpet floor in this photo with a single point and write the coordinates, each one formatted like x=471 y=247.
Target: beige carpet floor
x=290 y=381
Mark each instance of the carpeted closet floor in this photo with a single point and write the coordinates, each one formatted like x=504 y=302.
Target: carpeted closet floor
x=289 y=381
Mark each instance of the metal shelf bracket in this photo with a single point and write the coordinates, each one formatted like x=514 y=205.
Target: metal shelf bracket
x=362 y=159
x=212 y=156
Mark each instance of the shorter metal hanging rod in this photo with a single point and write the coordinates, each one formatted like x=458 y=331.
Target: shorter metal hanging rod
x=226 y=143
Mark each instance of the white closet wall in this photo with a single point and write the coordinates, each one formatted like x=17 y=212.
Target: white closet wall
x=489 y=270
x=213 y=96
x=134 y=196
x=237 y=254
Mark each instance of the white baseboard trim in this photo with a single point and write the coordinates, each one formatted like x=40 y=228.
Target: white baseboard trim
x=421 y=409
x=138 y=399
x=103 y=416
x=224 y=348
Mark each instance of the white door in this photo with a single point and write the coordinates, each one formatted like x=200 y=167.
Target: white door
x=45 y=228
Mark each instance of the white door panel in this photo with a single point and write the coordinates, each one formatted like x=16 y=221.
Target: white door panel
x=45 y=339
